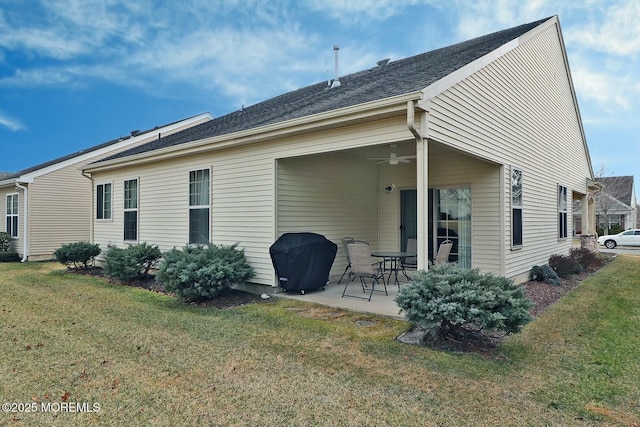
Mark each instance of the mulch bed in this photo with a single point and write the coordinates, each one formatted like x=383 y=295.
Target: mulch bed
x=485 y=344
x=229 y=299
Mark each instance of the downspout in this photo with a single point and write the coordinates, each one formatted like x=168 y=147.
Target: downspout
x=90 y=177
x=411 y=115
x=25 y=226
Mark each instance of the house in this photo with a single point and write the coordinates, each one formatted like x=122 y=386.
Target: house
x=616 y=204
x=480 y=142
x=48 y=205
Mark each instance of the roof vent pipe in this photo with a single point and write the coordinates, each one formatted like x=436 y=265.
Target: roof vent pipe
x=336 y=81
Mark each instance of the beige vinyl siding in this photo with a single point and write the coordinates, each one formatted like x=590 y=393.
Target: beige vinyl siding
x=519 y=110
x=59 y=211
x=460 y=171
x=331 y=194
x=60 y=203
x=243 y=191
x=403 y=176
x=481 y=177
x=243 y=200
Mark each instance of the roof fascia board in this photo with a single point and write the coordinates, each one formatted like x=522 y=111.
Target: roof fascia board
x=281 y=129
x=31 y=176
x=457 y=76
x=462 y=73
x=555 y=21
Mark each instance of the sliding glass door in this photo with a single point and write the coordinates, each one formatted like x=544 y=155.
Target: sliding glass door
x=452 y=221
x=449 y=219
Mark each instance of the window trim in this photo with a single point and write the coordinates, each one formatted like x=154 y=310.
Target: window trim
x=516 y=206
x=15 y=216
x=100 y=212
x=126 y=209
x=563 y=213
x=199 y=207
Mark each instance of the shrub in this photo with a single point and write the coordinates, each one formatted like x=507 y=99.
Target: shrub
x=131 y=263
x=202 y=273
x=545 y=274
x=564 y=265
x=614 y=229
x=4 y=241
x=588 y=260
x=6 y=256
x=76 y=255
x=447 y=299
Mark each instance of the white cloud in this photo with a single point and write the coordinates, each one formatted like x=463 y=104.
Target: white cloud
x=351 y=11
x=612 y=29
x=10 y=123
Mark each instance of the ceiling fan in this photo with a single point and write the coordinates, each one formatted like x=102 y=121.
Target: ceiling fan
x=393 y=158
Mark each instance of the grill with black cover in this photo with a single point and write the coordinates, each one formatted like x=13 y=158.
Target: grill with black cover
x=302 y=261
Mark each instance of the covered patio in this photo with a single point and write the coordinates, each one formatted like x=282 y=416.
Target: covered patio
x=363 y=194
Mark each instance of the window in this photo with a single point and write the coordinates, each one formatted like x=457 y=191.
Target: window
x=12 y=215
x=103 y=201
x=562 y=212
x=131 y=209
x=516 y=208
x=199 y=189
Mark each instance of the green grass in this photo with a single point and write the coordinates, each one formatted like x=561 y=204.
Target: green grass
x=148 y=359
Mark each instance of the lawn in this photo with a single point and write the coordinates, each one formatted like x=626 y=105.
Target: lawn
x=92 y=353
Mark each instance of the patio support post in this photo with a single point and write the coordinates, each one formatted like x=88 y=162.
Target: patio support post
x=586 y=219
x=422 y=164
x=422 y=184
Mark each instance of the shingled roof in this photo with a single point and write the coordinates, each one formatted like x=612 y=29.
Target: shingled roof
x=392 y=79
x=619 y=186
x=133 y=134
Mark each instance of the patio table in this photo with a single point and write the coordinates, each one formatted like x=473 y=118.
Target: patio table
x=395 y=259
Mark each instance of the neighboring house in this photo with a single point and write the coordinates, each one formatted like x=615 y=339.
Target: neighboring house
x=48 y=205
x=490 y=129
x=616 y=204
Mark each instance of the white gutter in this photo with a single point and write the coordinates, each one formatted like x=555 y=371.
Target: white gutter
x=262 y=133
x=411 y=124
x=25 y=228
x=90 y=177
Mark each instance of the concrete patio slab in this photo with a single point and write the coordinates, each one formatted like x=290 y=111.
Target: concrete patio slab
x=331 y=296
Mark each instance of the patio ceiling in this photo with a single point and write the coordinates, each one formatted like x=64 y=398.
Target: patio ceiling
x=402 y=148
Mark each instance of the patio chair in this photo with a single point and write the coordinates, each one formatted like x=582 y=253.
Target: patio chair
x=412 y=261
x=443 y=253
x=364 y=267
x=345 y=242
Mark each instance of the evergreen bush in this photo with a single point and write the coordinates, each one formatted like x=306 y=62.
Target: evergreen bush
x=131 y=263
x=9 y=256
x=564 y=265
x=76 y=255
x=202 y=273
x=447 y=300
x=546 y=274
x=4 y=241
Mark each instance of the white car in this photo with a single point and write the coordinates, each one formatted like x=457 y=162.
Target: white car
x=626 y=238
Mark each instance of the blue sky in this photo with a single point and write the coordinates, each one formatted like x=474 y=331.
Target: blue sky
x=76 y=73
